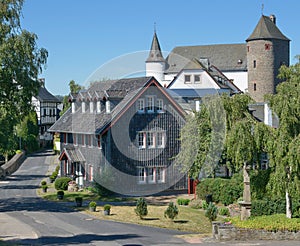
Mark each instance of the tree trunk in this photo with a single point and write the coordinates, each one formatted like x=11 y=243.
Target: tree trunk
x=288 y=205
x=6 y=157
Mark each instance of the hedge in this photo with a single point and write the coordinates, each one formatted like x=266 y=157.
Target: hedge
x=223 y=190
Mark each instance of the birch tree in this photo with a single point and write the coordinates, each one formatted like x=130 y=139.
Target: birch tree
x=285 y=154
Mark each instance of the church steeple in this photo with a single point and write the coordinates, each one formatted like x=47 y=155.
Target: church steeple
x=155 y=51
x=155 y=63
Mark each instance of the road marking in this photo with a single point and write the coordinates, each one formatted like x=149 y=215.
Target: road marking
x=4 y=182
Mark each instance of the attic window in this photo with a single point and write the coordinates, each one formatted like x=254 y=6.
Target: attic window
x=197 y=79
x=187 y=78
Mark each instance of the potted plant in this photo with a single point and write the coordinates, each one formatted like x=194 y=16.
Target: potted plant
x=60 y=194
x=78 y=200
x=44 y=186
x=92 y=206
x=52 y=178
x=106 y=209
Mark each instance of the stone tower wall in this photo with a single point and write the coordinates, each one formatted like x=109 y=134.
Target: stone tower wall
x=264 y=58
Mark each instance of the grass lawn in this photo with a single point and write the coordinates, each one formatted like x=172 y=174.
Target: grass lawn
x=188 y=219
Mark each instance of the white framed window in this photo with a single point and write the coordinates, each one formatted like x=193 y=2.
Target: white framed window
x=150 y=104
x=160 y=105
x=141 y=105
x=150 y=140
x=197 y=79
x=160 y=174
x=75 y=139
x=83 y=142
x=91 y=173
x=141 y=140
x=151 y=175
x=141 y=175
x=89 y=140
x=99 y=142
x=187 y=79
x=160 y=139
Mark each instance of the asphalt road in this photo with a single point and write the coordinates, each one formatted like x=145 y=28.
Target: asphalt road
x=26 y=219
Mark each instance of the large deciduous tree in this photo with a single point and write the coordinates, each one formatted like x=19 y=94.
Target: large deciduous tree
x=285 y=151
x=21 y=61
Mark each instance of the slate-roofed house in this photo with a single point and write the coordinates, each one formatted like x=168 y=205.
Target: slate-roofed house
x=47 y=109
x=123 y=135
x=251 y=66
x=195 y=81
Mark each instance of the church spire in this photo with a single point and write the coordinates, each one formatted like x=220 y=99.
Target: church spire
x=155 y=53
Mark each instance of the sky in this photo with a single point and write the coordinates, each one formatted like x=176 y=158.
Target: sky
x=86 y=38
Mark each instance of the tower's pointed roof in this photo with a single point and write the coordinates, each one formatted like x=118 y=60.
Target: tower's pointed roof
x=266 y=29
x=155 y=51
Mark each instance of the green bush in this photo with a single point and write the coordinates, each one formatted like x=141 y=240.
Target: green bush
x=211 y=212
x=101 y=190
x=92 y=204
x=43 y=182
x=226 y=191
x=267 y=207
x=223 y=211
x=57 y=169
x=60 y=193
x=277 y=222
x=259 y=180
x=183 y=201
x=141 y=207
x=171 y=211
x=204 y=205
x=62 y=183
x=106 y=207
x=78 y=199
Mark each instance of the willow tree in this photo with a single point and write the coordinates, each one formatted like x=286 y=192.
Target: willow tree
x=21 y=62
x=284 y=154
x=203 y=138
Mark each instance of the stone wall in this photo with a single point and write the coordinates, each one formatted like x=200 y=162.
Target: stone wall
x=225 y=232
x=12 y=165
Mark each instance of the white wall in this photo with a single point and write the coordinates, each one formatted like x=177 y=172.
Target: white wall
x=156 y=69
x=240 y=79
x=206 y=82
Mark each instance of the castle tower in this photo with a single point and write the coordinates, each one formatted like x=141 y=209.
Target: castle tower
x=267 y=50
x=155 y=64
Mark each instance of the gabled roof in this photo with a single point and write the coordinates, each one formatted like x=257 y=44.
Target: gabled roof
x=227 y=57
x=91 y=123
x=155 y=51
x=72 y=154
x=45 y=96
x=266 y=29
x=212 y=71
x=194 y=64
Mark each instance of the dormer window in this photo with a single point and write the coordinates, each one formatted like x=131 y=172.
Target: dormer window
x=83 y=106
x=91 y=106
x=187 y=79
x=107 y=106
x=98 y=106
